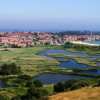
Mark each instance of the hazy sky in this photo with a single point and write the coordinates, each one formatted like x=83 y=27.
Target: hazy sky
x=48 y=15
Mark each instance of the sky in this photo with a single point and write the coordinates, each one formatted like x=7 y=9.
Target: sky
x=50 y=15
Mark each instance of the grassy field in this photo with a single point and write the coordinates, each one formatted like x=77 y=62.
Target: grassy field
x=27 y=59
x=81 y=94
x=85 y=60
x=8 y=93
x=87 y=50
x=32 y=64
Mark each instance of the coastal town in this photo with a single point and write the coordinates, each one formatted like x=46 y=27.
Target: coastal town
x=26 y=39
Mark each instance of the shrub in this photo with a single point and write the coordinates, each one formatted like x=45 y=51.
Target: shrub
x=35 y=94
x=9 y=69
x=37 y=83
x=79 y=84
x=67 y=45
x=16 y=98
x=4 y=97
x=59 y=87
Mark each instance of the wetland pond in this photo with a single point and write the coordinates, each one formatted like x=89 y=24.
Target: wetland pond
x=66 y=53
x=51 y=78
x=64 y=61
x=72 y=64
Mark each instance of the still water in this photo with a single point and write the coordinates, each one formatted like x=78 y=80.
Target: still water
x=51 y=78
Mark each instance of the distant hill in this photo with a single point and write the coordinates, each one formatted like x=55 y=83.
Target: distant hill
x=81 y=94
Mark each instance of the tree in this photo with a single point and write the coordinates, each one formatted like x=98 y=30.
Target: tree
x=34 y=93
x=24 y=77
x=68 y=45
x=79 y=84
x=22 y=80
x=37 y=83
x=16 y=98
x=34 y=83
x=68 y=84
x=9 y=69
x=4 y=97
x=59 y=87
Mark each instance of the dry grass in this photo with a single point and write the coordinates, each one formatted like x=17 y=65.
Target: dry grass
x=81 y=94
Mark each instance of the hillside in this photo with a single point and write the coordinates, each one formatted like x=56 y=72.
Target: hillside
x=81 y=94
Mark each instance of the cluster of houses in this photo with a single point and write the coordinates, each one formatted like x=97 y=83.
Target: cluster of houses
x=25 y=39
x=81 y=37
x=20 y=39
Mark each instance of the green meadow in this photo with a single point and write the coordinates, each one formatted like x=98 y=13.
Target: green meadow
x=28 y=60
x=31 y=64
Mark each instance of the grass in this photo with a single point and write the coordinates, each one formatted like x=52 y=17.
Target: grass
x=81 y=94
x=33 y=64
x=49 y=88
x=57 y=55
x=87 y=50
x=12 y=92
x=27 y=59
x=85 y=60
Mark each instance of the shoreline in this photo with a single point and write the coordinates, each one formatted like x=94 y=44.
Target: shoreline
x=84 y=43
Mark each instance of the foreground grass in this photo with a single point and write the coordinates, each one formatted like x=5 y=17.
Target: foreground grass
x=11 y=92
x=81 y=94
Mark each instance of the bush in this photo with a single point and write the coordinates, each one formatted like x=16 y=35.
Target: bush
x=24 y=77
x=22 y=80
x=68 y=84
x=97 y=83
x=16 y=98
x=72 y=85
x=35 y=94
x=14 y=46
x=59 y=87
x=79 y=84
x=37 y=83
x=9 y=69
x=4 y=97
x=68 y=45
